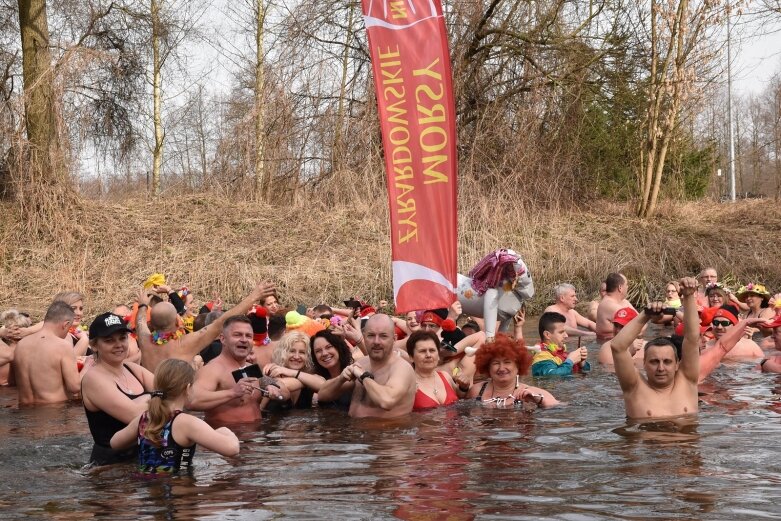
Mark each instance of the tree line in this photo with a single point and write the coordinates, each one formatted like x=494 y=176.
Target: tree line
x=558 y=101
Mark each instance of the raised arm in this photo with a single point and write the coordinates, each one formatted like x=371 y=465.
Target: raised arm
x=624 y=366
x=192 y=344
x=690 y=356
x=144 y=336
x=6 y=354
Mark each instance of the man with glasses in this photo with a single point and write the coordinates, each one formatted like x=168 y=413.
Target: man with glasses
x=726 y=318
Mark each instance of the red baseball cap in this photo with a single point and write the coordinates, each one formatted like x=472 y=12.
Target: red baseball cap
x=624 y=316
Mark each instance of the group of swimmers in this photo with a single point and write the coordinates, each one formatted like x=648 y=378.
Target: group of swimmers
x=139 y=367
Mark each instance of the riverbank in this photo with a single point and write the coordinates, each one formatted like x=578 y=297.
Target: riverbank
x=319 y=254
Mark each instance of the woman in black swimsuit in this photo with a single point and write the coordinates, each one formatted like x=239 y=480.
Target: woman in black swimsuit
x=504 y=361
x=113 y=391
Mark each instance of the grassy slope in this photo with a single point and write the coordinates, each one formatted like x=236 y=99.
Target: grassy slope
x=316 y=254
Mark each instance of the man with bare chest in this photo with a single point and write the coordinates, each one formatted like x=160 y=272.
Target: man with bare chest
x=215 y=391
x=669 y=387
x=383 y=383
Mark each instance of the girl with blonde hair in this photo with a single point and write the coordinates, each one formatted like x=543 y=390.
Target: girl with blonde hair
x=166 y=436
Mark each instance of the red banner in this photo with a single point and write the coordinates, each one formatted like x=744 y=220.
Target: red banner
x=411 y=65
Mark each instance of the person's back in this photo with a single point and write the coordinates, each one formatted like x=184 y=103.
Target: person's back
x=44 y=362
x=614 y=299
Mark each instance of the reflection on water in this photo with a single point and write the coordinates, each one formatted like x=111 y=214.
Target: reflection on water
x=582 y=461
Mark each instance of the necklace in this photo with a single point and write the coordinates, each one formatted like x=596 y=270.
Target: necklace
x=433 y=386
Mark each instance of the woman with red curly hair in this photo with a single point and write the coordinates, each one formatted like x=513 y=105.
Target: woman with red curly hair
x=504 y=361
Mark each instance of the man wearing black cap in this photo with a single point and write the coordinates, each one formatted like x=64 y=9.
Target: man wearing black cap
x=44 y=362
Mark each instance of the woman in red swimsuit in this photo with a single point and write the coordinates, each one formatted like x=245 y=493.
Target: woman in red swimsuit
x=435 y=388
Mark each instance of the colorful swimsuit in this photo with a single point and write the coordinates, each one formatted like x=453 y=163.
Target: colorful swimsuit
x=169 y=457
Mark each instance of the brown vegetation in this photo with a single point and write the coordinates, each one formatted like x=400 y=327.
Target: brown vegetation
x=317 y=254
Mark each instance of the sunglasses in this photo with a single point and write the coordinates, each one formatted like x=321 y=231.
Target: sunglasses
x=723 y=323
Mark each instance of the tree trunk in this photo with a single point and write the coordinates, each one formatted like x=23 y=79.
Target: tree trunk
x=337 y=152
x=38 y=91
x=260 y=79
x=157 y=153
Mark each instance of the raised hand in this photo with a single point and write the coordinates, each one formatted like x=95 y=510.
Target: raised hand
x=688 y=286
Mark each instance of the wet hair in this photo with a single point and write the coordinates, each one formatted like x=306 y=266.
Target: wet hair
x=548 y=320
x=276 y=326
x=342 y=349
x=613 y=281
x=171 y=380
x=59 y=311
x=322 y=309
x=234 y=319
x=561 y=288
x=199 y=322
x=69 y=297
x=417 y=336
x=211 y=316
x=503 y=347
x=13 y=317
x=663 y=341
x=282 y=350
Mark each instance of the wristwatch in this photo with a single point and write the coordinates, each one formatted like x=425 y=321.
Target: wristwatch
x=366 y=374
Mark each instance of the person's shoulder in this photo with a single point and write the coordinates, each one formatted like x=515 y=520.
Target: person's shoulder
x=551 y=308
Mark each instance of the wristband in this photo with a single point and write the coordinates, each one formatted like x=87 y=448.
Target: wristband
x=143 y=306
x=762 y=363
x=365 y=375
x=297 y=374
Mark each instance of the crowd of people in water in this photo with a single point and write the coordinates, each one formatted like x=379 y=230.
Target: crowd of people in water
x=140 y=366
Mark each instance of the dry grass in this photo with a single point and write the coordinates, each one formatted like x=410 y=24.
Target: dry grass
x=315 y=253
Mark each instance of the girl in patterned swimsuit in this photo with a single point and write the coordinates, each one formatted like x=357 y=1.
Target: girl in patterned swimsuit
x=165 y=435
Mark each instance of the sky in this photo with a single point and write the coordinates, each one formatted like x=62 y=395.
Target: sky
x=756 y=57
